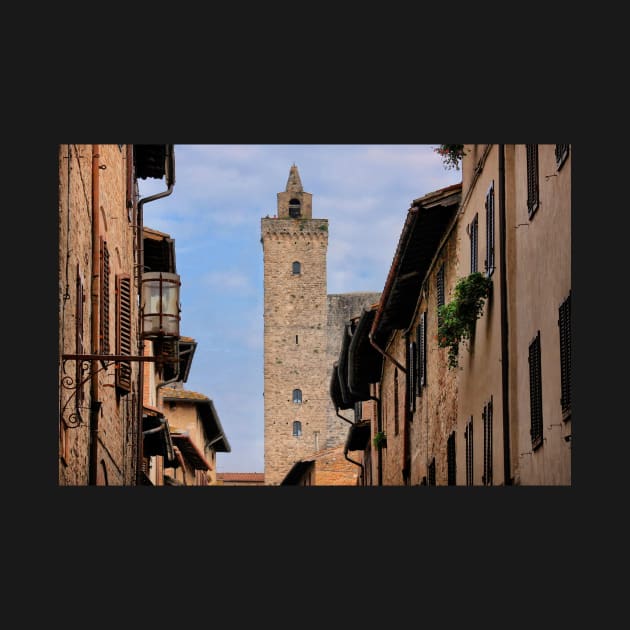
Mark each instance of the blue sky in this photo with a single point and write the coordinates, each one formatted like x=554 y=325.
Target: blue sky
x=221 y=192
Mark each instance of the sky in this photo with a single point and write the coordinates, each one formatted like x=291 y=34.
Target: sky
x=221 y=193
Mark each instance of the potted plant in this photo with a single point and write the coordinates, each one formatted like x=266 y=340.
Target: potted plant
x=380 y=440
x=456 y=320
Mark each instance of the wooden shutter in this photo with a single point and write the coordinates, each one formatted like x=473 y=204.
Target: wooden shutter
x=489 y=263
x=468 y=437
x=535 y=392
x=104 y=298
x=487 y=444
x=411 y=375
x=450 y=459
x=123 y=330
x=421 y=370
x=532 y=178
x=564 y=323
x=474 y=242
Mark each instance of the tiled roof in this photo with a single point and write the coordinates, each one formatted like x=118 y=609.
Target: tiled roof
x=240 y=476
x=182 y=394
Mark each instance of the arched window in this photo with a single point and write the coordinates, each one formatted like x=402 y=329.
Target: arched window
x=297 y=396
x=297 y=268
x=294 y=209
x=297 y=428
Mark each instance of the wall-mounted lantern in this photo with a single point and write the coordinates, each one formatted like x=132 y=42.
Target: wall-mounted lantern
x=160 y=304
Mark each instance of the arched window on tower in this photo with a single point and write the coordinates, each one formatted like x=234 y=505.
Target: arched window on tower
x=294 y=209
x=297 y=396
x=297 y=268
x=297 y=428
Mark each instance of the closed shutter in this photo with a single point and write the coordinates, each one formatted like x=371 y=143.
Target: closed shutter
x=450 y=459
x=474 y=243
x=104 y=298
x=489 y=262
x=532 y=178
x=487 y=444
x=123 y=330
x=564 y=323
x=535 y=392
x=411 y=375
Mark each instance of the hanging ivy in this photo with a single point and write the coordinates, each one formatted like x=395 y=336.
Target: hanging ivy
x=457 y=318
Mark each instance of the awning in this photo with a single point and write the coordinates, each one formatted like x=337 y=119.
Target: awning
x=358 y=436
x=156 y=435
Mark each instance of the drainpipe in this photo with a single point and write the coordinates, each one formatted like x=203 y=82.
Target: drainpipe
x=95 y=403
x=340 y=416
x=345 y=454
x=170 y=179
x=386 y=354
x=507 y=478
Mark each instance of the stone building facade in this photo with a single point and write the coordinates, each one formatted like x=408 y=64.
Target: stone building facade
x=301 y=325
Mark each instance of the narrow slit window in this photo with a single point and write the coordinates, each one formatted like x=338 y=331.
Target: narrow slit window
x=297 y=396
x=297 y=428
x=297 y=268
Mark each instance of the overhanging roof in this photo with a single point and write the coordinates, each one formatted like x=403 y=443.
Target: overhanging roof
x=190 y=451
x=298 y=470
x=365 y=362
x=422 y=232
x=209 y=417
x=155 y=161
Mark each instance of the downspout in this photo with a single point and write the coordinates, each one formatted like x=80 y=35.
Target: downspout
x=340 y=416
x=345 y=454
x=380 y=428
x=505 y=358
x=95 y=403
x=170 y=178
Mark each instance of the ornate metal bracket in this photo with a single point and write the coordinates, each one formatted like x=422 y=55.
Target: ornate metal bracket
x=74 y=418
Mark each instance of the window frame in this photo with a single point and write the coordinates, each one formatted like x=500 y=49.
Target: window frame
x=533 y=179
x=297 y=428
x=296 y=264
x=562 y=153
x=489 y=263
x=474 y=243
x=535 y=392
x=297 y=393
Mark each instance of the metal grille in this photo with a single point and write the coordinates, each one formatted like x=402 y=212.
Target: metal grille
x=104 y=288
x=532 y=178
x=535 y=392
x=450 y=460
x=474 y=242
x=431 y=473
x=123 y=330
x=411 y=375
x=490 y=230
x=487 y=444
x=440 y=291
x=564 y=323
x=468 y=438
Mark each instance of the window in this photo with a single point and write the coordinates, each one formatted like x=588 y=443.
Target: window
x=564 y=323
x=396 y=401
x=104 y=298
x=532 y=178
x=440 y=291
x=297 y=396
x=562 y=152
x=411 y=375
x=297 y=268
x=468 y=438
x=489 y=263
x=474 y=239
x=535 y=392
x=294 y=209
x=450 y=459
x=487 y=444
x=421 y=332
x=123 y=330
x=431 y=473
x=297 y=428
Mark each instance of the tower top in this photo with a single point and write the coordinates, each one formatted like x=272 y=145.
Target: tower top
x=294 y=183
x=293 y=202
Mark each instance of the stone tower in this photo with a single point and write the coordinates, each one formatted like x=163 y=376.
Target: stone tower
x=295 y=331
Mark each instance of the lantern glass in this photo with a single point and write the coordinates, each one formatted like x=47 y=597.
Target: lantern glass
x=160 y=304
